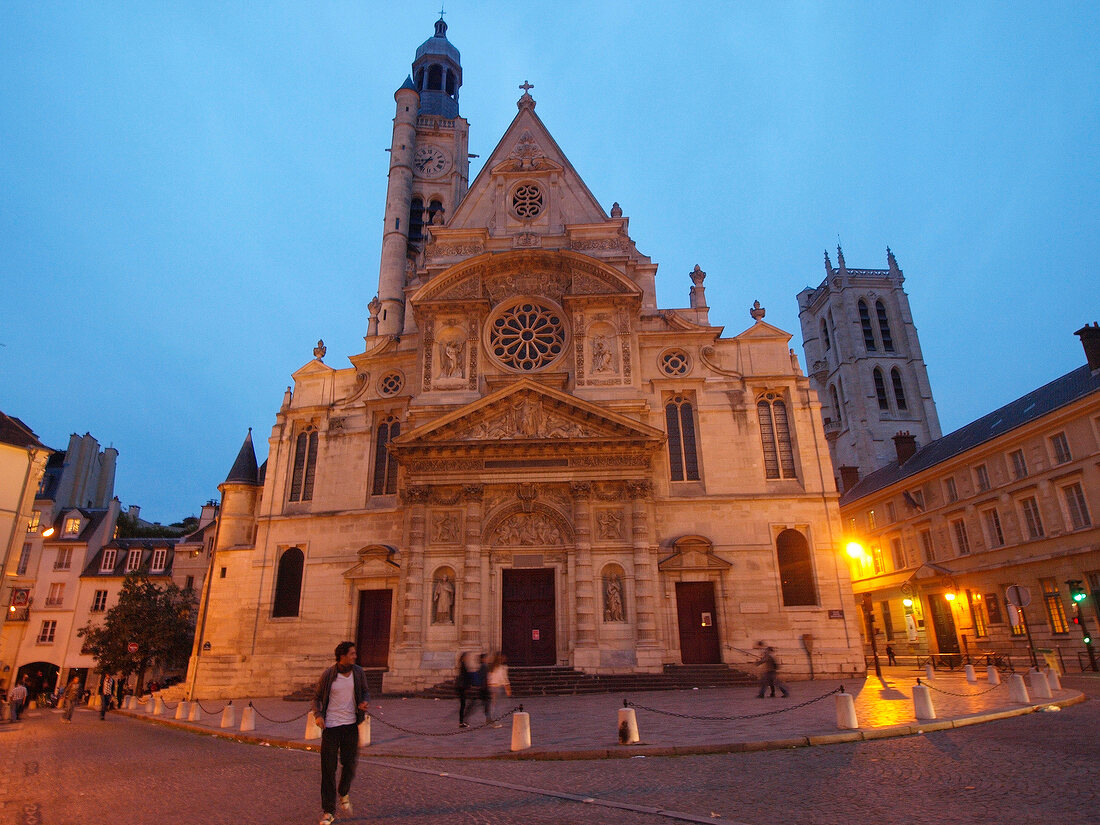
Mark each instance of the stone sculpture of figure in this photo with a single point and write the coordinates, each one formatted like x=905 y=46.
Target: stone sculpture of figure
x=446 y=527
x=443 y=601
x=601 y=354
x=452 y=366
x=613 y=599
x=610 y=524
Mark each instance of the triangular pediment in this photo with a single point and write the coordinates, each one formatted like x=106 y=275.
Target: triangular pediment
x=692 y=553
x=762 y=330
x=312 y=368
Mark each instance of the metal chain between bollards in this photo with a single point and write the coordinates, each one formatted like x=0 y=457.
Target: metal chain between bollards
x=488 y=723
x=784 y=709
x=169 y=706
x=277 y=721
x=204 y=709
x=143 y=700
x=930 y=686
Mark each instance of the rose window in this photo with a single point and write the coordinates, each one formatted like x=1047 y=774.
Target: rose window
x=391 y=383
x=527 y=336
x=527 y=201
x=674 y=362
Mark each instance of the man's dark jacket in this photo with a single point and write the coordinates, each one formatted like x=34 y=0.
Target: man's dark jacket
x=324 y=686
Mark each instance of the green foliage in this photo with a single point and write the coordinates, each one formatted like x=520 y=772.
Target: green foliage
x=131 y=528
x=160 y=620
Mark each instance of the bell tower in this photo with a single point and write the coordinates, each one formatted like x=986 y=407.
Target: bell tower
x=429 y=169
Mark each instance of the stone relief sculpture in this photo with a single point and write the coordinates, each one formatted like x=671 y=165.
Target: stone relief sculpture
x=601 y=354
x=613 y=599
x=526 y=418
x=610 y=524
x=451 y=362
x=526 y=529
x=443 y=600
x=445 y=528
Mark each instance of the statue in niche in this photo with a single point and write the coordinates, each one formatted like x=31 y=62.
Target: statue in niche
x=613 y=599
x=610 y=524
x=443 y=600
x=601 y=354
x=451 y=361
x=446 y=528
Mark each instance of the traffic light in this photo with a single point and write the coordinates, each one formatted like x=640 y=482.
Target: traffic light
x=1076 y=591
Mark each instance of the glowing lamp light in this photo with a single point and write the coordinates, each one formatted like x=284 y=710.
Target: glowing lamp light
x=949 y=596
x=49 y=531
x=907 y=602
x=854 y=549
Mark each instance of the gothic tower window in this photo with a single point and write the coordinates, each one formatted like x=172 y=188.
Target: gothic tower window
x=880 y=390
x=434 y=207
x=385 y=467
x=682 y=456
x=884 y=327
x=796 y=572
x=825 y=335
x=836 y=406
x=416 y=220
x=435 y=77
x=899 y=389
x=775 y=436
x=305 y=466
x=865 y=323
x=288 y=583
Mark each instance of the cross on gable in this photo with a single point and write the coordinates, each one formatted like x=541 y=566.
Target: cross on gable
x=527 y=87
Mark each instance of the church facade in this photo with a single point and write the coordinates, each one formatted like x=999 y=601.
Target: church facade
x=529 y=455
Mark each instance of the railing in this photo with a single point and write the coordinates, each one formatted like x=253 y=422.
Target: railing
x=18 y=614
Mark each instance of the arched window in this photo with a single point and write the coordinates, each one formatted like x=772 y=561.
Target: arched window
x=433 y=207
x=796 y=571
x=884 y=327
x=385 y=467
x=416 y=220
x=825 y=335
x=837 y=414
x=305 y=466
x=435 y=77
x=880 y=390
x=899 y=389
x=865 y=323
x=612 y=580
x=682 y=456
x=288 y=583
x=451 y=83
x=775 y=436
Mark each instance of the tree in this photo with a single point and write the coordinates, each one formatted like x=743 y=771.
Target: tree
x=159 y=620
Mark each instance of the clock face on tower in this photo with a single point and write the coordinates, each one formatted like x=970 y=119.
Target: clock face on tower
x=430 y=161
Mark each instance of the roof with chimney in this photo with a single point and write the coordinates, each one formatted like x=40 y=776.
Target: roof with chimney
x=1071 y=387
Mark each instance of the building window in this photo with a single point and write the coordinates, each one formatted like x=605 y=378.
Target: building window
x=981 y=476
x=865 y=323
x=872 y=520
x=108 y=563
x=1061 y=448
x=527 y=201
x=391 y=383
x=928 y=550
x=880 y=389
x=385 y=466
x=288 y=583
x=775 y=436
x=962 y=541
x=24 y=559
x=45 y=633
x=891 y=512
x=35 y=521
x=898 y=553
x=993 y=533
x=682 y=457
x=1056 y=611
x=825 y=335
x=836 y=407
x=160 y=560
x=876 y=560
x=56 y=595
x=899 y=390
x=1016 y=619
x=796 y=573
x=305 y=466
x=1032 y=520
x=993 y=608
x=527 y=336
x=64 y=559
x=977 y=612
x=1019 y=464
x=416 y=220
x=189 y=584
x=1076 y=507
x=133 y=560
x=918 y=498
x=950 y=490
x=99 y=601
x=72 y=526
x=884 y=327
x=674 y=362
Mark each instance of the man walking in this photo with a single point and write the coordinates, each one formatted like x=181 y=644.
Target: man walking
x=106 y=692
x=769 y=675
x=17 y=697
x=339 y=705
x=69 y=699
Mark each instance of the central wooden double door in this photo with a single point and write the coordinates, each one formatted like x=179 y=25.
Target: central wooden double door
x=698 y=621
x=527 y=617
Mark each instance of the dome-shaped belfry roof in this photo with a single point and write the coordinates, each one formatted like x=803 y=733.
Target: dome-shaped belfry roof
x=438 y=45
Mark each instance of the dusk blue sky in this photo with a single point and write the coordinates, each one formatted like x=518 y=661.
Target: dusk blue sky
x=191 y=194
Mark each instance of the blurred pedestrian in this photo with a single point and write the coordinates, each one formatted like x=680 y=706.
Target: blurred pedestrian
x=499 y=686
x=891 y=657
x=17 y=697
x=769 y=678
x=69 y=697
x=106 y=694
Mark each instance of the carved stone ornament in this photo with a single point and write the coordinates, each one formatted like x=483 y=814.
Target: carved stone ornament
x=443 y=600
x=581 y=490
x=320 y=350
x=526 y=154
x=453 y=250
x=613 y=610
x=639 y=489
x=527 y=239
x=415 y=495
x=526 y=417
x=473 y=492
x=526 y=530
x=445 y=527
x=616 y=244
x=609 y=525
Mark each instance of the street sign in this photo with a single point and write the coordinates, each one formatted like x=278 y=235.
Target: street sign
x=1017 y=595
x=132 y=647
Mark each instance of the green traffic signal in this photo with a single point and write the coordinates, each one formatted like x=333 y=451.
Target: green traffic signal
x=1079 y=596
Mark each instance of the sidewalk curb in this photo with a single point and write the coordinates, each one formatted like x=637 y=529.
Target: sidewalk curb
x=632 y=751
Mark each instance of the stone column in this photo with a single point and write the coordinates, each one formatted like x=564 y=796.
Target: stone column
x=472 y=605
x=415 y=500
x=586 y=652
x=645 y=570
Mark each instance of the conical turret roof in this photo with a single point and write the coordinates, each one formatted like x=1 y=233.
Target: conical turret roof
x=244 y=470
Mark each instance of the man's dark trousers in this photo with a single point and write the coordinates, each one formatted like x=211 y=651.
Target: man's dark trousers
x=341 y=741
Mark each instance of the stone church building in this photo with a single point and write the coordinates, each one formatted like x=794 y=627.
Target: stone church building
x=529 y=455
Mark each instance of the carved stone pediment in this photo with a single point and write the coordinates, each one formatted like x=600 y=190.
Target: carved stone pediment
x=692 y=553
x=375 y=560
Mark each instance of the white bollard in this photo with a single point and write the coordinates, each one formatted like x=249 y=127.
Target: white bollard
x=1018 y=690
x=1039 y=687
x=992 y=675
x=846 y=712
x=313 y=731
x=364 y=732
x=922 y=702
x=628 y=727
x=970 y=677
x=229 y=715
x=248 y=718
x=196 y=713
x=182 y=709
x=521 y=730
x=929 y=671
x=158 y=705
x=1054 y=681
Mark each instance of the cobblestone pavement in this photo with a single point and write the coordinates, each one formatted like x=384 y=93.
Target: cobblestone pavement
x=1037 y=768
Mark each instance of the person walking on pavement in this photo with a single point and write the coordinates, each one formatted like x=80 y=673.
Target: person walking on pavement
x=106 y=693
x=891 y=656
x=769 y=674
x=498 y=685
x=17 y=697
x=339 y=704
x=69 y=699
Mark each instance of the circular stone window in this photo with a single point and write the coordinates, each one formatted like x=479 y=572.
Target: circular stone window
x=674 y=362
x=391 y=383
x=527 y=336
x=527 y=201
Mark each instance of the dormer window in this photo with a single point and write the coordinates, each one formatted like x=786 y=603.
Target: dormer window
x=110 y=556
x=72 y=526
x=133 y=561
x=160 y=558
x=35 y=521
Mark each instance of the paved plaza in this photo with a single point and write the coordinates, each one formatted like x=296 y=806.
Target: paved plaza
x=1037 y=767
